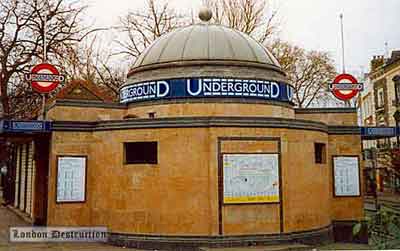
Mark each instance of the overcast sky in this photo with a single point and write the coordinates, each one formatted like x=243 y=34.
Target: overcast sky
x=312 y=24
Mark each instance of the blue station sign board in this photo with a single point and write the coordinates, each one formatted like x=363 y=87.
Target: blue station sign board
x=14 y=126
x=379 y=132
x=206 y=87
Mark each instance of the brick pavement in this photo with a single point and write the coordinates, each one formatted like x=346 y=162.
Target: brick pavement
x=394 y=198
x=8 y=218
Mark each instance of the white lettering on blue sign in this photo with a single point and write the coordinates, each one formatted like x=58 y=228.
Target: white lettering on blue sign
x=27 y=126
x=160 y=93
x=24 y=126
x=206 y=87
x=383 y=131
x=145 y=90
x=211 y=87
x=289 y=91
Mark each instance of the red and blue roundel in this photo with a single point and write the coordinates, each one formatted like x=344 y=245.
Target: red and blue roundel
x=345 y=87
x=44 y=78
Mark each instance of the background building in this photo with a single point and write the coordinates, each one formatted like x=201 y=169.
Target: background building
x=366 y=109
x=379 y=103
x=386 y=91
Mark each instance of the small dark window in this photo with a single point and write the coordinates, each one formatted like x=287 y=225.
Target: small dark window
x=140 y=152
x=320 y=153
x=397 y=92
x=152 y=115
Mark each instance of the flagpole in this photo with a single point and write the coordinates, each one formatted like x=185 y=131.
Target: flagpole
x=44 y=61
x=347 y=103
x=44 y=39
x=341 y=30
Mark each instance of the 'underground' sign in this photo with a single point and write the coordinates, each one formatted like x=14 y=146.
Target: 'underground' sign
x=206 y=88
x=345 y=87
x=44 y=77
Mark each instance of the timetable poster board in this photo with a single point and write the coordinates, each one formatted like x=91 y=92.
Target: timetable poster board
x=71 y=179
x=251 y=178
x=346 y=176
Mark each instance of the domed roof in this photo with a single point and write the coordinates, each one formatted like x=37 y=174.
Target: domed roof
x=205 y=42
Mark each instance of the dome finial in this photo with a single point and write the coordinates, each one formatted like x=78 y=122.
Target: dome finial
x=205 y=14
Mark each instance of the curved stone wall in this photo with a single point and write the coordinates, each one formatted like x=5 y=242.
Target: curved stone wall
x=196 y=68
x=216 y=107
x=179 y=195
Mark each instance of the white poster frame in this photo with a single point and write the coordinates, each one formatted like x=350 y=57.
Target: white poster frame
x=335 y=159
x=83 y=179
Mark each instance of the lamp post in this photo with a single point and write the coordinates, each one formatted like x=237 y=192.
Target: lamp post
x=396 y=115
x=375 y=182
x=3 y=170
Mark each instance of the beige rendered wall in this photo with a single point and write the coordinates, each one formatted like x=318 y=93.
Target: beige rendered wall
x=79 y=113
x=341 y=119
x=172 y=197
x=344 y=208
x=306 y=183
x=70 y=113
x=212 y=109
x=179 y=195
x=70 y=214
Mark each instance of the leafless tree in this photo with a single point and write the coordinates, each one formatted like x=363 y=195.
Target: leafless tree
x=21 y=40
x=91 y=62
x=254 y=17
x=308 y=71
x=142 y=27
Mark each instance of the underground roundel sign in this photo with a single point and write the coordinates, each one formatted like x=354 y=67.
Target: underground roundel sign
x=44 y=77
x=345 y=87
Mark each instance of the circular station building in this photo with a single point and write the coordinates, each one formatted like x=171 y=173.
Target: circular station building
x=205 y=148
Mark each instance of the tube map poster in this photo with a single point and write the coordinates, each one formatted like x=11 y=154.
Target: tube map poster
x=250 y=178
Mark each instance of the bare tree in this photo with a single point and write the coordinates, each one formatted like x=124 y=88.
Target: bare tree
x=143 y=27
x=308 y=71
x=91 y=62
x=22 y=24
x=253 y=17
x=22 y=98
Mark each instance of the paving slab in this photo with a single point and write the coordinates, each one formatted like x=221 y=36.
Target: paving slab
x=345 y=246
x=9 y=219
x=61 y=247
x=283 y=247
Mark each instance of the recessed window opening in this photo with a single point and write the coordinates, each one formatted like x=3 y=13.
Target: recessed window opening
x=140 y=153
x=152 y=115
x=320 y=153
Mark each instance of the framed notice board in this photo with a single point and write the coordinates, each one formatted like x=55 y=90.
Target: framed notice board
x=346 y=176
x=250 y=178
x=71 y=179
